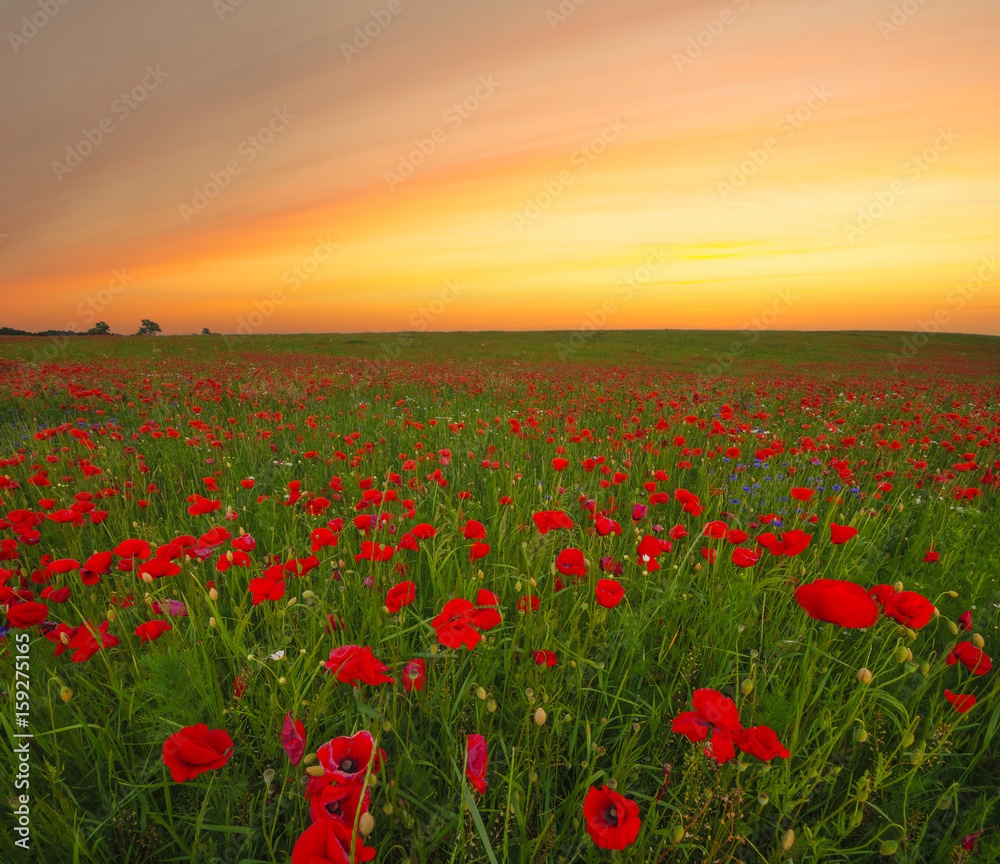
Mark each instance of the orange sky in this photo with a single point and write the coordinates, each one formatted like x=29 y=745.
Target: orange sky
x=643 y=164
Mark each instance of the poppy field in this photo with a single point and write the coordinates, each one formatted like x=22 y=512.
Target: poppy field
x=302 y=606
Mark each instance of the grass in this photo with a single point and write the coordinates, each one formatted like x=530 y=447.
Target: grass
x=887 y=766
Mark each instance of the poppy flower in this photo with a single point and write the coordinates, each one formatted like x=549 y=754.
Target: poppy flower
x=792 y=543
x=713 y=713
x=478 y=550
x=486 y=598
x=570 y=562
x=800 y=493
x=201 y=505
x=413 y=675
x=841 y=533
x=972 y=657
x=609 y=565
x=455 y=624
x=195 y=750
x=760 y=741
x=151 y=630
x=550 y=520
x=837 y=601
x=266 y=588
x=475 y=762
x=85 y=645
x=965 y=621
x=932 y=556
x=347 y=759
x=545 y=658
x=745 y=557
x=609 y=592
x=678 y=532
x=423 y=531
x=293 y=738
x=605 y=526
x=330 y=800
x=131 y=549
x=352 y=663
x=612 y=821
x=373 y=551
x=528 y=603
x=400 y=595
x=961 y=702
x=26 y=614
x=560 y=464
x=905 y=607
x=62 y=565
x=639 y=512
x=474 y=530
x=330 y=841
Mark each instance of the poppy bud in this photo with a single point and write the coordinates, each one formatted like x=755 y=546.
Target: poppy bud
x=978 y=640
x=898 y=587
x=481 y=693
x=292 y=601
x=888 y=847
x=65 y=694
x=865 y=676
x=316 y=770
x=678 y=833
x=212 y=622
x=925 y=668
x=953 y=594
x=788 y=839
x=953 y=627
x=213 y=595
x=746 y=687
x=901 y=653
x=861 y=734
x=112 y=615
x=540 y=717
x=147 y=577
x=269 y=777
x=309 y=758
x=229 y=557
x=491 y=706
x=907 y=739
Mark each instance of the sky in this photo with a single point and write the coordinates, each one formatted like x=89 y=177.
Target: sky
x=287 y=166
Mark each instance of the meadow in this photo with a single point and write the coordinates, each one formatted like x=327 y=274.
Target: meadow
x=487 y=597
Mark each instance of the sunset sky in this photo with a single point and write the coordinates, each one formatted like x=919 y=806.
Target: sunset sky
x=500 y=164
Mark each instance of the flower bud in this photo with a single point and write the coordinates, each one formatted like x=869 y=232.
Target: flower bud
x=212 y=622
x=366 y=824
x=213 y=595
x=907 y=739
x=315 y=770
x=746 y=687
x=861 y=734
x=788 y=839
x=269 y=776
x=540 y=716
x=480 y=693
x=953 y=627
x=112 y=615
x=762 y=798
x=865 y=676
x=978 y=640
x=678 y=833
x=901 y=653
x=65 y=694
x=888 y=847
x=952 y=594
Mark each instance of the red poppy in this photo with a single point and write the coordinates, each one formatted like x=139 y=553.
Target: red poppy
x=347 y=759
x=373 y=551
x=961 y=702
x=423 y=531
x=760 y=741
x=841 y=533
x=62 y=565
x=972 y=657
x=528 y=603
x=132 y=549
x=932 y=556
x=330 y=841
x=965 y=621
x=196 y=749
x=800 y=493
x=151 y=630
x=792 y=543
x=906 y=607
x=475 y=762
x=266 y=588
x=400 y=595
x=612 y=821
x=559 y=463
x=609 y=592
x=478 y=550
x=745 y=557
x=455 y=624
x=26 y=614
x=486 y=598
x=838 y=602
x=713 y=713
x=570 y=562
x=293 y=738
x=201 y=505
x=550 y=520
x=352 y=663
x=474 y=530
x=413 y=675
x=545 y=658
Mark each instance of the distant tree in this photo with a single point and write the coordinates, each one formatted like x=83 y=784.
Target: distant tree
x=205 y=331
x=148 y=327
x=101 y=328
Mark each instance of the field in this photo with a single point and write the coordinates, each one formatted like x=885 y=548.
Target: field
x=645 y=596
